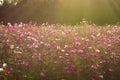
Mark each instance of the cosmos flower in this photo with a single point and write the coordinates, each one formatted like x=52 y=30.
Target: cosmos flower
x=42 y=74
x=4 y=65
x=1 y=69
x=11 y=46
x=77 y=43
x=80 y=51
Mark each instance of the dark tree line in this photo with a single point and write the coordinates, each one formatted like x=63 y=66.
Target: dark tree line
x=27 y=10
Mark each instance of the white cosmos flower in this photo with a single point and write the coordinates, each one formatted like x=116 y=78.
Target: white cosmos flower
x=1 y=69
x=4 y=65
x=11 y=46
x=62 y=50
x=98 y=34
x=83 y=38
x=17 y=52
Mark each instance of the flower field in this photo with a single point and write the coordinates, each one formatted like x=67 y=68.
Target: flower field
x=59 y=52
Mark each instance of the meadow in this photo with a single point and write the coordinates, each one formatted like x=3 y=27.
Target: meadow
x=59 y=52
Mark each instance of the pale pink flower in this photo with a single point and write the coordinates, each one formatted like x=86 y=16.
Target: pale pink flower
x=95 y=66
x=110 y=70
x=101 y=76
x=55 y=62
x=58 y=47
x=93 y=79
x=42 y=74
x=77 y=37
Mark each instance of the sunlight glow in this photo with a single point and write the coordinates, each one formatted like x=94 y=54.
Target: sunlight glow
x=1 y=2
x=93 y=10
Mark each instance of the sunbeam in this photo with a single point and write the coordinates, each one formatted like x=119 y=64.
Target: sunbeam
x=115 y=5
x=92 y=10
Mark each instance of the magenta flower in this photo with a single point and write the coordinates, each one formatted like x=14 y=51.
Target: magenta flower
x=8 y=72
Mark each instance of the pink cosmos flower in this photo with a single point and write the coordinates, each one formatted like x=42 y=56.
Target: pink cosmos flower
x=66 y=67
x=101 y=76
x=58 y=47
x=80 y=51
x=73 y=67
x=42 y=74
x=95 y=66
x=77 y=37
x=110 y=70
x=8 y=72
x=95 y=54
x=77 y=43
x=69 y=71
x=73 y=51
x=104 y=38
x=93 y=79
x=55 y=62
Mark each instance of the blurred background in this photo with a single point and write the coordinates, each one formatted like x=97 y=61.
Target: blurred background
x=60 y=11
